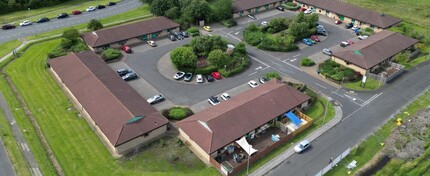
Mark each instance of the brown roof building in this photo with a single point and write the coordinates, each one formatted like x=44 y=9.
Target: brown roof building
x=147 y=29
x=242 y=5
x=343 y=9
x=122 y=119
x=375 y=49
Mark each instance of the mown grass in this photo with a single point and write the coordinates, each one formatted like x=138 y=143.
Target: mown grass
x=52 y=12
x=371 y=84
x=316 y=112
x=77 y=148
x=8 y=47
x=366 y=150
x=138 y=14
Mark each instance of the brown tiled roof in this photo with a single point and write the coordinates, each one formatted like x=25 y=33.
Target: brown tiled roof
x=108 y=99
x=128 y=31
x=222 y=124
x=375 y=49
x=241 y=5
x=354 y=12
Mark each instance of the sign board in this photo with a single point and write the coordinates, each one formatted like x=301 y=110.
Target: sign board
x=364 y=79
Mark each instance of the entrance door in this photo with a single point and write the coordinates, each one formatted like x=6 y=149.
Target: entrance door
x=341 y=17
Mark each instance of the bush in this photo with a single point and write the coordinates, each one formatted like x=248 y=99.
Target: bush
x=236 y=67
x=229 y=23
x=193 y=30
x=307 y=62
x=254 y=38
x=278 y=43
x=205 y=70
x=111 y=54
x=57 y=52
x=366 y=31
x=272 y=75
x=335 y=71
x=177 y=113
x=79 y=46
x=291 y=6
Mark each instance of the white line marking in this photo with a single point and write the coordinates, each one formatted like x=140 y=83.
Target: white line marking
x=292 y=60
x=320 y=85
x=338 y=94
x=297 y=55
x=252 y=73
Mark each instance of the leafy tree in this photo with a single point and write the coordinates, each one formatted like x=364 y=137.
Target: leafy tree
x=278 y=24
x=312 y=20
x=218 y=58
x=299 y=17
x=197 y=10
x=297 y=29
x=184 y=57
x=205 y=44
x=222 y=10
x=71 y=34
x=159 y=7
x=66 y=43
x=252 y=28
x=147 y=1
x=241 y=48
x=94 y=25
x=173 y=13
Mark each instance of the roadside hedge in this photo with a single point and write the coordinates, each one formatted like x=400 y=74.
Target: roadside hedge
x=229 y=23
x=111 y=54
x=278 y=44
x=193 y=31
x=337 y=72
x=307 y=62
x=205 y=70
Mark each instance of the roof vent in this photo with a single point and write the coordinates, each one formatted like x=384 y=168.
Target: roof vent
x=134 y=119
x=94 y=32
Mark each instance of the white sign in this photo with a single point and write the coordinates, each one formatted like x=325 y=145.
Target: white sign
x=364 y=79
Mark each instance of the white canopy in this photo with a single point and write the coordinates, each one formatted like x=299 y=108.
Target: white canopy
x=245 y=146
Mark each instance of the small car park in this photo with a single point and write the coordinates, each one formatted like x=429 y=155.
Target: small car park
x=327 y=51
x=349 y=25
x=199 y=78
x=42 y=20
x=151 y=43
x=100 y=6
x=126 y=49
x=207 y=28
x=63 y=15
x=90 y=9
x=280 y=8
x=209 y=78
x=76 y=12
x=111 y=3
x=338 y=22
x=213 y=100
x=263 y=80
x=25 y=23
x=252 y=84
x=188 y=77
x=307 y=41
x=155 y=99
x=216 y=75
x=252 y=16
x=8 y=26
x=363 y=37
x=225 y=96
x=315 y=38
x=129 y=76
x=123 y=72
x=179 y=75
x=302 y=146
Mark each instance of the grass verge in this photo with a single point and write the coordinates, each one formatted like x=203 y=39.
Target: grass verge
x=367 y=149
x=371 y=84
x=8 y=47
x=316 y=112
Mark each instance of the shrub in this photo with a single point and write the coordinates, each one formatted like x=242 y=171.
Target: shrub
x=57 y=52
x=183 y=57
x=79 y=46
x=272 y=75
x=236 y=67
x=335 y=71
x=177 y=113
x=307 y=62
x=111 y=54
x=366 y=31
x=205 y=70
x=229 y=23
x=278 y=43
x=194 y=31
x=254 y=38
x=291 y=6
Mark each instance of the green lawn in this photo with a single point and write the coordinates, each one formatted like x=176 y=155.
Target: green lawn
x=8 y=47
x=371 y=84
x=77 y=148
x=52 y=12
x=366 y=150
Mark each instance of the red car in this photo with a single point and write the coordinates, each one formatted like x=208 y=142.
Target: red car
x=126 y=48
x=303 y=9
x=315 y=38
x=76 y=12
x=216 y=75
x=337 y=22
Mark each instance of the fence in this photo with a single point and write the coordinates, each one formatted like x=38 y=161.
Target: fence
x=334 y=162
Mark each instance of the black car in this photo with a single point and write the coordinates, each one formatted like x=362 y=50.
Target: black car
x=349 y=25
x=129 y=76
x=123 y=72
x=8 y=26
x=178 y=35
x=321 y=32
x=280 y=8
x=62 y=15
x=42 y=20
x=185 y=34
x=100 y=7
x=172 y=37
x=209 y=78
x=188 y=77
x=111 y=3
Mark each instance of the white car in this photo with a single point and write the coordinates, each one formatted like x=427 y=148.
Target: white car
x=252 y=84
x=327 y=51
x=264 y=23
x=151 y=43
x=25 y=23
x=302 y=146
x=213 y=100
x=155 y=99
x=179 y=75
x=309 y=11
x=225 y=96
x=363 y=37
x=91 y=8
x=199 y=78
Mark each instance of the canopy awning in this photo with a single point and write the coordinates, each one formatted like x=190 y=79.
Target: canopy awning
x=296 y=120
x=245 y=146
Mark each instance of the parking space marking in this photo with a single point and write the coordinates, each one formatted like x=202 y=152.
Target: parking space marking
x=292 y=60
x=297 y=55
x=286 y=59
x=252 y=73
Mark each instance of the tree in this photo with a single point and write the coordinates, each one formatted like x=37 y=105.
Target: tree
x=159 y=7
x=71 y=34
x=94 y=25
x=66 y=43
x=299 y=17
x=197 y=10
x=173 y=13
x=183 y=57
x=218 y=58
x=241 y=48
x=222 y=10
x=297 y=29
x=205 y=44
x=147 y=1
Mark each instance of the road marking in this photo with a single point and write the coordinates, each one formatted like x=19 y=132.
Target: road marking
x=238 y=28
x=338 y=94
x=280 y=60
x=320 y=85
x=233 y=36
x=292 y=60
x=236 y=33
x=252 y=73
x=297 y=55
x=371 y=99
x=264 y=68
x=286 y=59
x=258 y=68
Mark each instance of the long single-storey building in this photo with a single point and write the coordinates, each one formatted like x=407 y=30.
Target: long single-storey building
x=243 y=119
x=122 y=119
x=129 y=33
x=245 y=7
x=368 y=54
x=348 y=13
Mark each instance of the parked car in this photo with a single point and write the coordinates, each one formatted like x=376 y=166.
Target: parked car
x=311 y=40
x=307 y=42
x=151 y=43
x=8 y=26
x=355 y=28
x=129 y=76
x=349 y=25
x=321 y=32
x=172 y=37
x=62 y=15
x=320 y=26
x=209 y=78
x=327 y=51
x=179 y=75
x=207 y=28
x=363 y=37
x=264 y=23
x=213 y=100
x=185 y=34
x=302 y=146
x=263 y=80
x=42 y=20
x=100 y=6
x=76 y=12
x=252 y=16
x=344 y=44
x=126 y=49
x=280 y=8
x=188 y=77
x=315 y=38
x=252 y=84
x=155 y=99
x=338 y=22
x=90 y=9
x=225 y=96
x=25 y=23
x=199 y=78
x=122 y=72
x=303 y=9
x=178 y=35
x=216 y=75
x=111 y=3
x=309 y=11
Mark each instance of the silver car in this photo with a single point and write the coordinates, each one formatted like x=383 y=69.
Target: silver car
x=302 y=146
x=155 y=99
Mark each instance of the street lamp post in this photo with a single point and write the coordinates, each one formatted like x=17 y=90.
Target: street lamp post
x=249 y=157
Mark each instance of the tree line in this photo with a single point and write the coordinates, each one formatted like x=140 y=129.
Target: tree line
x=8 y=6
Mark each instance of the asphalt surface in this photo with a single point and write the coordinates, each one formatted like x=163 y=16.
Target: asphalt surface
x=5 y=164
x=36 y=28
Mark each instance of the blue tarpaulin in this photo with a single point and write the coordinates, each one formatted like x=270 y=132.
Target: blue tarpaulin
x=296 y=120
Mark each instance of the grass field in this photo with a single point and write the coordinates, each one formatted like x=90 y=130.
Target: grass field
x=51 y=12
x=371 y=84
x=8 y=47
x=77 y=148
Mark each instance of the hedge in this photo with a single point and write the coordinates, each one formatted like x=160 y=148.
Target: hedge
x=111 y=54
x=229 y=23
x=194 y=31
x=335 y=71
x=205 y=70
x=291 y=6
x=177 y=113
x=307 y=62
x=244 y=64
x=254 y=38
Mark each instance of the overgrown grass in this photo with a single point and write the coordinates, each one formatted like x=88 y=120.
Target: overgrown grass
x=52 y=12
x=139 y=14
x=77 y=148
x=366 y=150
x=316 y=112
x=371 y=84
x=8 y=47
